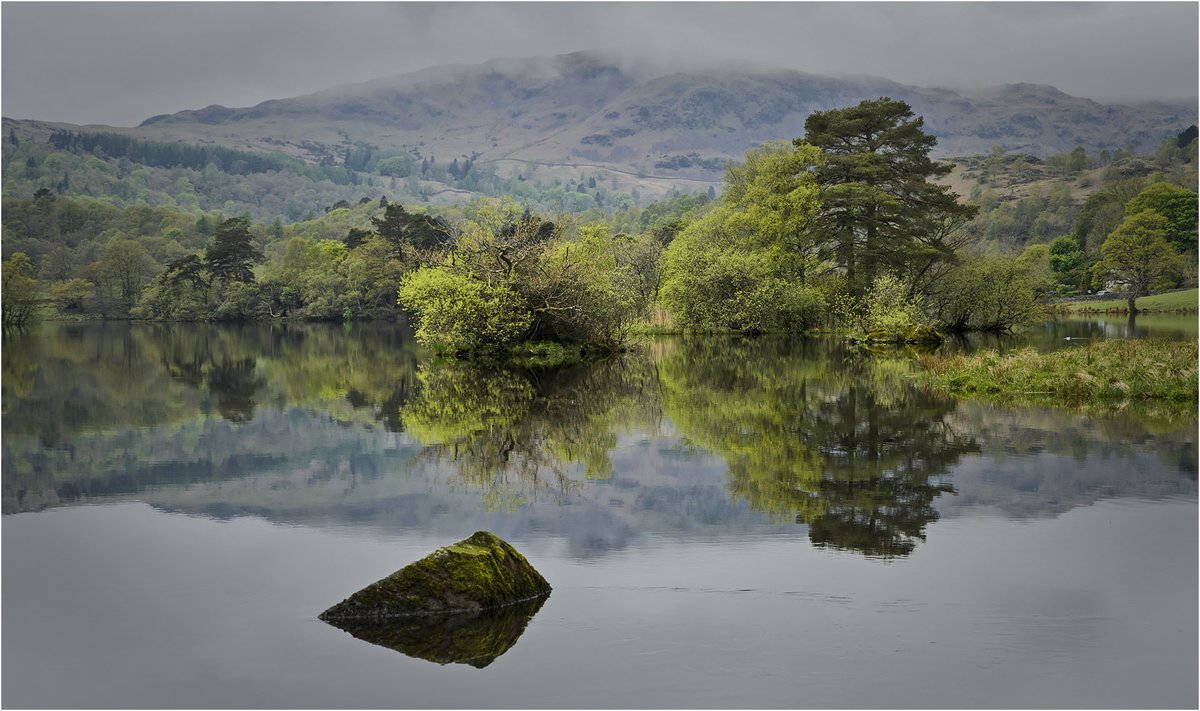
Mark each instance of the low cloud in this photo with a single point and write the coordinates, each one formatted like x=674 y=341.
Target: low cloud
x=118 y=63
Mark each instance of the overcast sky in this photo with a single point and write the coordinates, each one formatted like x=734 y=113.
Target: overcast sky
x=119 y=63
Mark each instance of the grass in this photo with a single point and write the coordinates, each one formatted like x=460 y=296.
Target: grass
x=1104 y=373
x=1172 y=302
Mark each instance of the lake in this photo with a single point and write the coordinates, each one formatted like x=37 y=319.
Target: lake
x=726 y=522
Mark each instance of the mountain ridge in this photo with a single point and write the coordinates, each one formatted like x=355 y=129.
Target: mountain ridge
x=548 y=116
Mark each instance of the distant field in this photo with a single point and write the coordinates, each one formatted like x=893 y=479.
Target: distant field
x=1187 y=300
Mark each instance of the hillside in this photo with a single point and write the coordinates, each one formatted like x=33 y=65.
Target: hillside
x=582 y=114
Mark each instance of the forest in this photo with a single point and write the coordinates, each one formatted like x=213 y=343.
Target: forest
x=851 y=226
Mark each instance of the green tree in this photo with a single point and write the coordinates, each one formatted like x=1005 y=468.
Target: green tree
x=1178 y=205
x=878 y=207
x=994 y=293
x=1137 y=256
x=752 y=263
x=412 y=234
x=1101 y=212
x=1067 y=261
x=20 y=292
x=129 y=266
x=232 y=254
x=1077 y=161
x=459 y=314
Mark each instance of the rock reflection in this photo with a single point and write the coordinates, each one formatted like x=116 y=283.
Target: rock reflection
x=476 y=640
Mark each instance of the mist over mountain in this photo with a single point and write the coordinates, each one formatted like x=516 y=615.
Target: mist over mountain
x=588 y=111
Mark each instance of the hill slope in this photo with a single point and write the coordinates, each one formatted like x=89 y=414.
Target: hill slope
x=559 y=116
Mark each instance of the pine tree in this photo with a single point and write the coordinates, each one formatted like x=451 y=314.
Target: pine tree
x=232 y=254
x=407 y=231
x=878 y=207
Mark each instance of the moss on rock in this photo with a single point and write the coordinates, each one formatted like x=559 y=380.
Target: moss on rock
x=479 y=573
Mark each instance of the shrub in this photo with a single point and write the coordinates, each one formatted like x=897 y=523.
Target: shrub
x=457 y=313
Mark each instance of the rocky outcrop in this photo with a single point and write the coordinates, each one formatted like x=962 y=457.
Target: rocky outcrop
x=479 y=573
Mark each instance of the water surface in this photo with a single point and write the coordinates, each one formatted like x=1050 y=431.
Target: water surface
x=726 y=523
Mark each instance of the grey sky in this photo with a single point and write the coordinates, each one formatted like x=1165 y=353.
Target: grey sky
x=119 y=63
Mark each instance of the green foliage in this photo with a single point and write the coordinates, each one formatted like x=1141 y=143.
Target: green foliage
x=1068 y=262
x=986 y=294
x=457 y=313
x=587 y=290
x=1178 y=205
x=879 y=211
x=232 y=253
x=21 y=292
x=1102 y=211
x=667 y=217
x=1137 y=257
x=399 y=166
x=749 y=264
x=1036 y=260
x=411 y=234
x=888 y=313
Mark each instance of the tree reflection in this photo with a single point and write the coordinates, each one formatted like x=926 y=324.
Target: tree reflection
x=810 y=432
x=516 y=434
x=835 y=439
x=235 y=384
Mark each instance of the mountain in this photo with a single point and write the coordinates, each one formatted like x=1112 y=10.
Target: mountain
x=565 y=115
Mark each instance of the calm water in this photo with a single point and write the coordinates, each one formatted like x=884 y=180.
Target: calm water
x=725 y=522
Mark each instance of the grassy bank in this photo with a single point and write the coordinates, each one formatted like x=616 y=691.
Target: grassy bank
x=1186 y=301
x=1105 y=373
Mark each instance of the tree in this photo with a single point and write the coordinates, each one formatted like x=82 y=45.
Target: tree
x=1101 y=212
x=411 y=233
x=878 y=208
x=1177 y=204
x=127 y=264
x=1136 y=256
x=232 y=254
x=749 y=264
x=1182 y=140
x=19 y=291
x=457 y=313
x=356 y=237
x=1066 y=261
x=1077 y=161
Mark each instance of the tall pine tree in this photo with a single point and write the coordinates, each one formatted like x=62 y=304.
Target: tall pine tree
x=879 y=211
x=232 y=254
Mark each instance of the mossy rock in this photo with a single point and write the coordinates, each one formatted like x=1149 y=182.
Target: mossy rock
x=474 y=639
x=914 y=334
x=479 y=573
x=923 y=334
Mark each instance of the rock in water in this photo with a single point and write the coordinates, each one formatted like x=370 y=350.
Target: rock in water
x=479 y=573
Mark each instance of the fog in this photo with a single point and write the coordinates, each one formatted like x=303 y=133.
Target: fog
x=119 y=63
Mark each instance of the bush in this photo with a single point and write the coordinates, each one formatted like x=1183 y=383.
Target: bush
x=992 y=294
x=711 y=285
x=460 y=314
x=890 y=314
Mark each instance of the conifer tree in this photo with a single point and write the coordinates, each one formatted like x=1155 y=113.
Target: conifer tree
x=232 y=254
x=879 y=209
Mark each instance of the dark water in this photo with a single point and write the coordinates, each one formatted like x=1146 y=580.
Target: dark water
x=726 y=523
